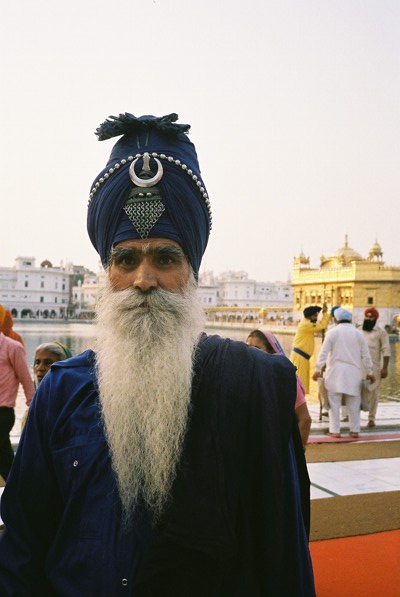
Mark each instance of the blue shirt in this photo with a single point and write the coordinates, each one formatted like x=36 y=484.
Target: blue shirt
x=234 y=525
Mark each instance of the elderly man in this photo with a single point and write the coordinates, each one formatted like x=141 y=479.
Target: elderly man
x=303 y=343
x=379 y=349
x=345 y=352
x=166 y=462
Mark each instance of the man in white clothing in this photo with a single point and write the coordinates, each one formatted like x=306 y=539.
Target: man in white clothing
x=348 y=354
x=379 y=349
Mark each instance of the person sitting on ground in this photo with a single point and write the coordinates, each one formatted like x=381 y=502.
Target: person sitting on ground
x=267 y=342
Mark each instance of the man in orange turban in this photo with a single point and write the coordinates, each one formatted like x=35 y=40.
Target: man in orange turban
x=7 y=327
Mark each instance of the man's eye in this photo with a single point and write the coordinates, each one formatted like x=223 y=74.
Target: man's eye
x=165 y=260
x=125 y=260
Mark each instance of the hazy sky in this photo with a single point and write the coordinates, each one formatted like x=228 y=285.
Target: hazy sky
x=294 y=107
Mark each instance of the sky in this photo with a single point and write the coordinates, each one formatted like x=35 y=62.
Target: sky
x=293 y=106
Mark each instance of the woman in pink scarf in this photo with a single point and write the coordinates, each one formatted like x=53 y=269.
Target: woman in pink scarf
x=269 y=343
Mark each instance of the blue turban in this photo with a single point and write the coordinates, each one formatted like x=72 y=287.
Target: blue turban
x=187 y=215
x=342 y=314
x=334 y=309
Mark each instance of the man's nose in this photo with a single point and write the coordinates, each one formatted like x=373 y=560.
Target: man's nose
x=145 y=277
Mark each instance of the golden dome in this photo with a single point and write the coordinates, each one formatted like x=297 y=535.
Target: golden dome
x=375 y=252
x=346 y=254
x=376 y=249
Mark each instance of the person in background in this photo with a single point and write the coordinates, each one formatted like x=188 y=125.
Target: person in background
x=345 y=353
x=379 y=349
x=166 y=462
x=303 y=343
x=267 y=342
x=322 y=391
x=7 y=327
x=45 y=355
x=14 y=370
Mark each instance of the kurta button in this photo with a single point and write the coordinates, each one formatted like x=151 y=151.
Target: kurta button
x=124 y=582
x=75 y=463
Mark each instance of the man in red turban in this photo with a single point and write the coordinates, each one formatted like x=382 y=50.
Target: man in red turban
x=378 y=344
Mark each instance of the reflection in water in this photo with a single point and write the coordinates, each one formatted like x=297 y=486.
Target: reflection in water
x=79 y=337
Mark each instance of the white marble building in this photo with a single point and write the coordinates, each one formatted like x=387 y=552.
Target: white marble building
x=84 y=294
x=36 y=292
x=235 y=289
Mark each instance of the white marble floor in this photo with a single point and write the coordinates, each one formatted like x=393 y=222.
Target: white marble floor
x=330 y=479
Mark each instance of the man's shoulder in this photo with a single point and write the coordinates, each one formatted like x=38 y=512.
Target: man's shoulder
x=214 y=342
x=381 y=331
x=65 y=375
x=306 y=325
x=12 y=348
x=304 y=322
x=10 y=342
x=333 y=331
x=84 y=360
x=359 y=334
x=67 y=383
x=237 y=355
x=343 y=331
x=214 y=348
x=238 y=376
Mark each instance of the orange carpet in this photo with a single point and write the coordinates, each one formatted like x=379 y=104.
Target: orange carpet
x=366 y=566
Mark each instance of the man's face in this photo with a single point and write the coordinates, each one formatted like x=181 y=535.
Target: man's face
x=369 y=322
x=149 y=264
x=314 y=318
x=149 y=319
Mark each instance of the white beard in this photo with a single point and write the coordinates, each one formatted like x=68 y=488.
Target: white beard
x=145 y=360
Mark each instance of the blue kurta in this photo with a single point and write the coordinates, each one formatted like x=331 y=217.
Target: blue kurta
x=234 y=526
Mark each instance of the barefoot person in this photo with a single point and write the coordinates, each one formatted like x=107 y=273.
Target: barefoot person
x=348 y=355
x=379 y=349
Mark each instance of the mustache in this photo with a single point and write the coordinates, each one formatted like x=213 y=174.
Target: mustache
x=156 y=299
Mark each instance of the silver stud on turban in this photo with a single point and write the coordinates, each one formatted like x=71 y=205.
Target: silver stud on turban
x=144 y=208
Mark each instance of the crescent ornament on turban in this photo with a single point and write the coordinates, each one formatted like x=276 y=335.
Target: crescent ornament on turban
x=144 y=183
